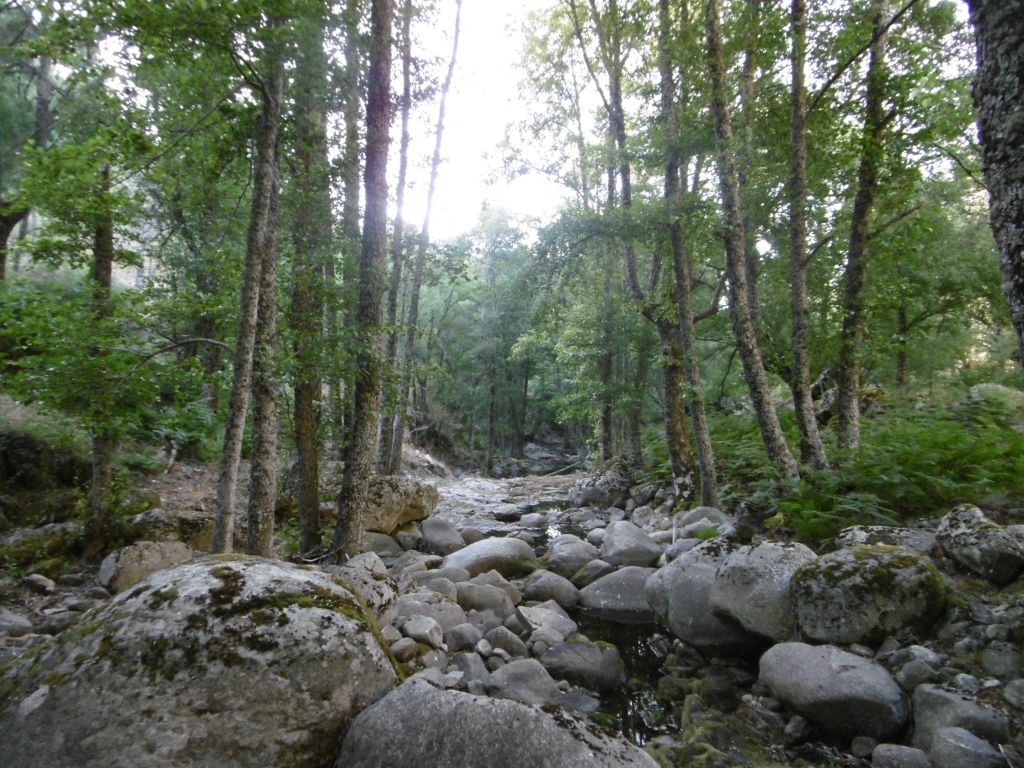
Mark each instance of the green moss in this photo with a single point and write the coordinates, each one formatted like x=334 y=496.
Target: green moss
x=163 y=597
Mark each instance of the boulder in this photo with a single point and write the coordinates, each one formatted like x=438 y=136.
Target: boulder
x=626 y=544
x=591 y=572
x=495 y=579
x=525 y=681
x=190 y=526
x=619 y=597
x=457 y=730
x=546 y=585
x=607 y=486
x=509 y=557
x=568 y=553
x=381 y=544
x=13 y=624
x=393 y=501
x=863 y=594
x=440 y=537
x=701 y=521
x=596 y=666
x=25 y=546
x=129 y=565
x=959 y=748
x=936 y=708
x=408 y=536
x=484 y=597
x=367 y=576
x=680 y=593
x=445 y=612
x=504 y=638
x=981 y=546
x=548 y=621
x=898 y=756
x=752 y=587
x=845 y=694
x=229 y=662
x=911 y=538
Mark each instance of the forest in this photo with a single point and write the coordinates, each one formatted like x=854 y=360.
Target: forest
x=784 y=283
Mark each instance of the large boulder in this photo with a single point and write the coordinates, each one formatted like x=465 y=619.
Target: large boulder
x=227 y=662
x=680 y=593
x=525 y=681
x=593 y=664
x=863 y=594
x=626 y=544
x=606 y=486
x=440 y=537
x=25 y=546
x=702 y=522
x=507 y=556
x=981 y=546
x=191 y=526
x=752 y=587
x=546 y=585
x=547 y=622
x=619 y=597
x=417 y=724
x=936 y=708
x=568 y=553
x=393 y=501
x=367 y=576
x=845 y=694
x=912 y=538
x=129 y=565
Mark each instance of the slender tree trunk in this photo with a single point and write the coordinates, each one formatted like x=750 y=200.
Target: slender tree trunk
x=104 y=440
x=852 y=338
x=263 y=460
x=812 y=451
x=748 y=96
x=998 y=95
x=9 y=220
x=421 y=256
x=342 y=388
x=311 y=238
x=677 y=434
x=739 y=307
x=264 y=192
x=388 y=421
x=682 y=287
x=360 y=452
x=634 y=416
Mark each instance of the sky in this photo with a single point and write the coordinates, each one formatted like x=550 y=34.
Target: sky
x=483 y=100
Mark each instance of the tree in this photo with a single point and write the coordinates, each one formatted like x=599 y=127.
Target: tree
x=998 y=92
x=739 y=306
x=361 y=449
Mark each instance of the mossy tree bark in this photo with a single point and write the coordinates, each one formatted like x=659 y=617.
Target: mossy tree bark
x=998 y=95
x=735 y=252
x=361 y=449
x=812 y=451
x=872 y=149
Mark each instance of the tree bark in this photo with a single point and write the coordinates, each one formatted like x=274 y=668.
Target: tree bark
x=421 y=258
x=388 y=421
x=264 y=192
x=852 y=338
x=311 y=238
x=902 y=329
x=812 y=451
x=263 y=460
x=739 y=307
x=104 y=440
x=690 y=385
x=360 y=452
x=998 y=95
x=748 y=95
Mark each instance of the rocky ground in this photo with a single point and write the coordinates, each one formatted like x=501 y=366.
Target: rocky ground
x=566 y=620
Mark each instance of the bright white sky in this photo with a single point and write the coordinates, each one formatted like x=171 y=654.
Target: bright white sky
x=482 y=102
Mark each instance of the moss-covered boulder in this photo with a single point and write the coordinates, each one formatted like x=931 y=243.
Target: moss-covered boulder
x=226 y=662
x=26 y=546
x=863 y=594
x=980 y=545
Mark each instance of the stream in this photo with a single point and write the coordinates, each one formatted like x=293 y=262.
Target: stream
x=634 y=710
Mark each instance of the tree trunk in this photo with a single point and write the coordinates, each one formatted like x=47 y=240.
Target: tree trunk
x=677 y=434
x=421 y=257
x=682 y=287
x=388 y=421
x=998 y=95
x=360 y=452
x=311 y=238
x=852 y=338
x=748 y=95
x=263 y=461
x=739 y=308
x=812 y=451
x=257 y=240
x=104 y=440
